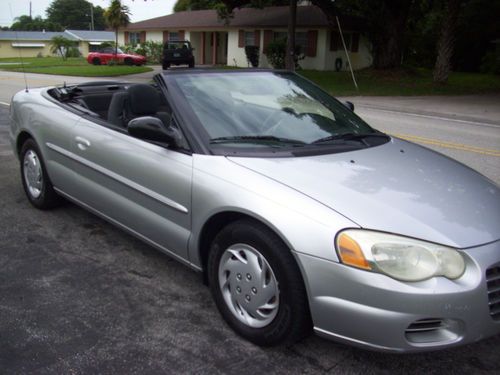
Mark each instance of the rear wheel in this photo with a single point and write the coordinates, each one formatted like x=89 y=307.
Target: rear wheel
x=191 y=64
x=36 y=181
x=96 y=61
x=165 y=66
x=257 y=285
x=128 y=61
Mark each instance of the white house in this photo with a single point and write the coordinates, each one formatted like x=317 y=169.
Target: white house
x=216 y=42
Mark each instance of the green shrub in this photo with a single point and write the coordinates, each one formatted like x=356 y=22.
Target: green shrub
x=252 y=53
x=151 y=49
x=73 y=52
x=276 y=52
x=491 y=63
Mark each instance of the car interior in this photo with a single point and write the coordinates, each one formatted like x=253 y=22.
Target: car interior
x=115 y=103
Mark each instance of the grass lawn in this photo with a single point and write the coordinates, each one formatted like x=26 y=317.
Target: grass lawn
x=402 y=82
x=75 y=66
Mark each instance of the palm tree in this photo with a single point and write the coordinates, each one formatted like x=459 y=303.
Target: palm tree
x=116 y=16
x=60 y=45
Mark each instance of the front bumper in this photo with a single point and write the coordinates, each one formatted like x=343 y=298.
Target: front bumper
x=377 y=312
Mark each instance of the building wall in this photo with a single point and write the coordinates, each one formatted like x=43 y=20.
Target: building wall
x=236 y=55
x=195 y=39
x=121 y=38
x=155 y=36
x=324 y=59
x=83 y=47
x=359 y=60
x=6 y=49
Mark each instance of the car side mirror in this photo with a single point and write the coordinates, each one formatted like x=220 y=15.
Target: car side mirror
x=349 y=105
x=152 y=129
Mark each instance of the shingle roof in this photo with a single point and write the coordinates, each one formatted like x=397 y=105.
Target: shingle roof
x=307 y=16
x=93 y=36
x=87 y=35
x=33 y=35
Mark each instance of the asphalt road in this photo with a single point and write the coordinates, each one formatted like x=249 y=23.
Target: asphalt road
x=78 y=295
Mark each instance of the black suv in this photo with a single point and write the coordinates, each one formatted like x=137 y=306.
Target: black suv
x=177 y=53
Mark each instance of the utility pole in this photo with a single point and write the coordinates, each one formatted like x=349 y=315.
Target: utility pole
x=30 y=10
x=91 y=17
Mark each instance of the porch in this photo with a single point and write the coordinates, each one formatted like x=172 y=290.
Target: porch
x=210 y=47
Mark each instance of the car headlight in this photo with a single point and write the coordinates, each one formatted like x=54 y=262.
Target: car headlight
x=399 y=257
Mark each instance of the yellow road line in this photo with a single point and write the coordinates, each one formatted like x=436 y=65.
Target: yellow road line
x=456 y=146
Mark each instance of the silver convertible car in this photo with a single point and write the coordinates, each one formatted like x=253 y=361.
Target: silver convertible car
x=300 y=216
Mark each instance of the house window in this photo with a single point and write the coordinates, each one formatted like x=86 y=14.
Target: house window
x=94 y=47
x=300 y=39
x=173 y=36
x=277 y=35
x=134 y=38
x=249 y=38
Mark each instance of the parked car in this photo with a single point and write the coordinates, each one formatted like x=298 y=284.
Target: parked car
x=297 y=212
x=177 y=53
x=105 y=55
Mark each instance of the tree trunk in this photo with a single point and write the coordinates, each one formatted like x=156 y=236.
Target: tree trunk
x=388 y=40
x=290 y=41
x=446 y=42
x=116 y=44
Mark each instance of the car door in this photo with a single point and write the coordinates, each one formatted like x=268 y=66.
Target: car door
x=141 y=186
x=107 y=54
x=55 y=126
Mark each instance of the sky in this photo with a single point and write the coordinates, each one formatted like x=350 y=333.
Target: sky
x=140 y=9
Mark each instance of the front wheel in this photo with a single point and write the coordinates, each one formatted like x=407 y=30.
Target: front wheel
x=257 y=285
x=36 y=181
x=96 y=61
x=128 y=61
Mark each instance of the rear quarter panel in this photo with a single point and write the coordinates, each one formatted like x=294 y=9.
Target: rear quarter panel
x=46 y=122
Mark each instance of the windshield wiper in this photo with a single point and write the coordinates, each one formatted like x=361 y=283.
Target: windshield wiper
x=349 y=137
x=258 y=138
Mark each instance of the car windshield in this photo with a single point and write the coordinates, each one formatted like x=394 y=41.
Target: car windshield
x=269 y=109
x=110 y=50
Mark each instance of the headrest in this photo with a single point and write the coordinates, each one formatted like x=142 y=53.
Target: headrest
x=143 y=99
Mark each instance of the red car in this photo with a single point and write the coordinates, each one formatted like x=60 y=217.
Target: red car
x=108 y=54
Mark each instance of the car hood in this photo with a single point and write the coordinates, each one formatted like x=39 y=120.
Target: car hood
x=398 y=187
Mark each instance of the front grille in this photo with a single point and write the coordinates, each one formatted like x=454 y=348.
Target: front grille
x=493 y=282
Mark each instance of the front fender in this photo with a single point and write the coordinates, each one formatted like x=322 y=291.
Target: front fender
x=219 y=185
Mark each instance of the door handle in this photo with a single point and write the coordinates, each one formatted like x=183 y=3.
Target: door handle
x=82 y=143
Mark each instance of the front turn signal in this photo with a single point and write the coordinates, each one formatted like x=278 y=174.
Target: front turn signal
x=350 y=252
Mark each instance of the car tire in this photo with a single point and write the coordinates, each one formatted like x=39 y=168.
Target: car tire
x=165 y=66
x=266 y=317
x=36 y=181
x=191 y=64
x=128 y=61
x=96 y=61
